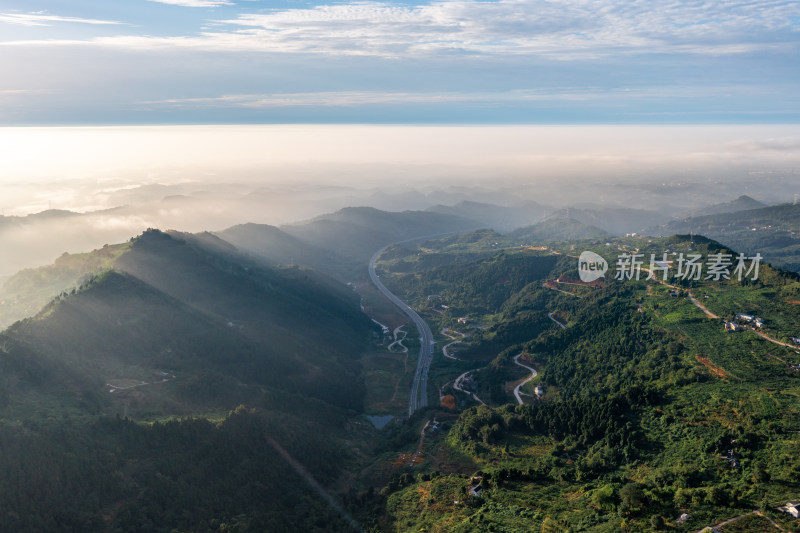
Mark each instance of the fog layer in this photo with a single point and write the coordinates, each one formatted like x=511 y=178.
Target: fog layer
x=116 y=181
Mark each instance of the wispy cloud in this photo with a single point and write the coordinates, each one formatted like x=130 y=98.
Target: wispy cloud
x=195 y=3
x=384 y=98
x=572 y=29
x=327 y=99
x=366 y=98
x=41 y=19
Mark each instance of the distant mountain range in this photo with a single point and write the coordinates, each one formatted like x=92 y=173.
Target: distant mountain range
x=341 y=243
x=191 y=208
x=499 y=218
x=772 y=231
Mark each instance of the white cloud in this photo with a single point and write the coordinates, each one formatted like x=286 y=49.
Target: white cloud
x=570 y=28
x=40 y=19
x=195 y=3
x=566 y=29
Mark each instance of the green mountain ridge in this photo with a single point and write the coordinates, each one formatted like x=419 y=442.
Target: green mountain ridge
x=341 y=243
x=166 y=305
x=357 y=232
x=278 y=247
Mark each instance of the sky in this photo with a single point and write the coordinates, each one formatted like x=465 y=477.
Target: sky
x=96 y=62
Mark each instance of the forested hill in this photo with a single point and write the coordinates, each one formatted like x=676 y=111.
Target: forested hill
x=557 y=230
x=173 y=327
x=225 y=330
x=341 y=243
x=357 y=232
x=275 y=246
x=644 y=407
x=500 y=218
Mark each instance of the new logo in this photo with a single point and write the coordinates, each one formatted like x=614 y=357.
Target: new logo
x=591 y=267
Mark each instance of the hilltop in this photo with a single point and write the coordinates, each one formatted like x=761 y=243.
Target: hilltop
x=557 y=229
x=742 y=203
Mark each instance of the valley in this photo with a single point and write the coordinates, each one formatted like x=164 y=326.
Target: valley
x=585 y=406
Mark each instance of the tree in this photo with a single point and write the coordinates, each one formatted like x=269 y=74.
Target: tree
x=604 y=497
x=683 y=497
x=631 y=496
x=656 y=522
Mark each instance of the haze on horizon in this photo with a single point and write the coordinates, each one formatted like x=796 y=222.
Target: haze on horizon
x=91 y=169
x=208 y=178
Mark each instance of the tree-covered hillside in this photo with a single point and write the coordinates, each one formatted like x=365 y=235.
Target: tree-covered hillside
x=96 y=387
x=556 y=405
x=644 y=408
x=226 y=331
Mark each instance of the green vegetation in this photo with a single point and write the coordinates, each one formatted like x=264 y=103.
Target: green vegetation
x=231 y=334
x=169 y=326
x=651 y=409
x=25 y=293
x=184 y=386
x=182 y=475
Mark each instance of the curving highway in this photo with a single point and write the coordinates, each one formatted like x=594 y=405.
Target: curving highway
x=419 y=387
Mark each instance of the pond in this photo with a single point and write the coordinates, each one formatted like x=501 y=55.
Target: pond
x=380 y=421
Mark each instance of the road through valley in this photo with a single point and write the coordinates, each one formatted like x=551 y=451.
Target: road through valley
x=419 y=387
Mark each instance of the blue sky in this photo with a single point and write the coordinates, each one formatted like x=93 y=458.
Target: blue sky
x=507 y=61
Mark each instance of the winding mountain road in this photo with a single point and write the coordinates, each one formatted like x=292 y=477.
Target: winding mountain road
x=398 y=340
x=457 y=385
x=419 y=387
x=554 y=319
x=533 y=375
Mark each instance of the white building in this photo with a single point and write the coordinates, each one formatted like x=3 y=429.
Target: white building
x=793 y=508
x=732 y=326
